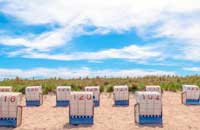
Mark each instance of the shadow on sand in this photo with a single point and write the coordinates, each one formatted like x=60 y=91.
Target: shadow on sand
x=7 y=128
x=69 y=126
x=119 y=105
x=150 y=125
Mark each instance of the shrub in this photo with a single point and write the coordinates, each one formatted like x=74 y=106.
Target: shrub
x=106 y=83
x=109 y=88
x=76 y=87
x=198 y=84
x=19 y=88
x=133 y=87
x=48 y=87
x=142 y=86
x=174 y=87
x=101 y=88
x=164 y=86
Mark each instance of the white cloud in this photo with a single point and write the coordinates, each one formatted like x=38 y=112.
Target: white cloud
x=107 y=16
x=43 y=42
x=111 y=14
x=194 y=69
x=186 y=29
x=191 y=52
x=74 y=73
x=133 y=52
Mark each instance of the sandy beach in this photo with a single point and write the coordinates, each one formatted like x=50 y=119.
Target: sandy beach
x=176 y=116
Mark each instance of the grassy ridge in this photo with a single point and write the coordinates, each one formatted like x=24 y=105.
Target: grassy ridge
x=170 y=83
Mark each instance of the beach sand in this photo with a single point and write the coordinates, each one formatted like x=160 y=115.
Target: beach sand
x=176 y=116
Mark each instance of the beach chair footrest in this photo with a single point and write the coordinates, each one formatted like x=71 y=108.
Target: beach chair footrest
x=143 y=119
x=122 y=102
x=75 y=120
x=33 y=103
x=62 y=103
x=8 y=122
x=193 y=101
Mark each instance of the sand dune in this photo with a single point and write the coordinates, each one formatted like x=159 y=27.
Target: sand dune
x=107 y=117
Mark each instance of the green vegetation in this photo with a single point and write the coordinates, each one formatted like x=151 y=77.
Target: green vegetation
x=168 y=83
x=109 y=88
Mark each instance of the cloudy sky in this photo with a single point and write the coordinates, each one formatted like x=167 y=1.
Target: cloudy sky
x=73 y=38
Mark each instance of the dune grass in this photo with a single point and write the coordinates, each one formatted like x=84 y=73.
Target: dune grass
x=168 y=83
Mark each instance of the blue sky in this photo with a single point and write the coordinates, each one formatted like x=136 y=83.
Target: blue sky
x=96 y=38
